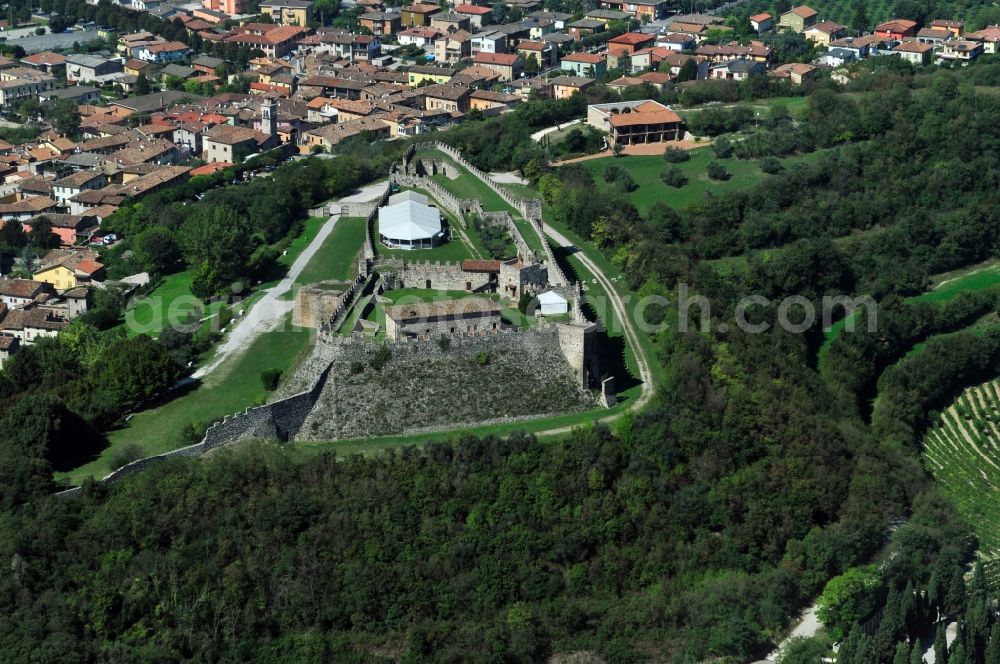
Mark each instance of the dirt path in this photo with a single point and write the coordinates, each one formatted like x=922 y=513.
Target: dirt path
x=628 y=328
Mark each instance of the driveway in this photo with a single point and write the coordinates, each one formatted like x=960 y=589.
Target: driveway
x=537 y=136
x=266 y=313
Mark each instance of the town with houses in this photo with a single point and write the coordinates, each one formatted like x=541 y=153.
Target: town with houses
x=401 y=72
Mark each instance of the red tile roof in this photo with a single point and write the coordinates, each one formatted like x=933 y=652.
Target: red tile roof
x=506 y=59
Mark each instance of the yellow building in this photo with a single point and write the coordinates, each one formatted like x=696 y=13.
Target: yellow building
x=427 y=75
x=66 y=269
x=288 y=12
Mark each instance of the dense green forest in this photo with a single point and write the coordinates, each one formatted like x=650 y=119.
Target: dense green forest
x=693 y=530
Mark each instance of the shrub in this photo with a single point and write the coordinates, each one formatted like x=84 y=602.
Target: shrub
x=620 y=178
x=444 y=343
x=676 y=156
x=674 y=177
x=125 y=455
x=771 y=165
x=270 y=379
x=717 y=171
x=482 y=358
x=357 y=367
x=381 y=357
x=722 y=147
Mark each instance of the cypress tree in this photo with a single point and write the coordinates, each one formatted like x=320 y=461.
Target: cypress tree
x=940 y=645
x=902 y=655
x=993 y=649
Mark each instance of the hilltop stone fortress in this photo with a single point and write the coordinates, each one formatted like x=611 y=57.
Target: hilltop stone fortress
x=448 y=364
x=454 y=362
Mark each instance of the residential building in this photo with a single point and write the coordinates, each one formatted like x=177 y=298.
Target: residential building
x=933 y=35
x=70 y=228
x=478 y=16
x=78 y=94
x=836 y=57
x=450 y=21
x=163 y=53
x=446 y=97
x=288 y=12
x=630 y=42
x=274 y=40
x=564 y=87
x=46 y=61
x=489 y=102
x=559 y=19
x=919 y=53
x=797 y=19
x=796 y=72
x=418 y=15
x=585 y=64
x=755 y=51
x=226 y=6
x=824 y=32
x=453 y=47
x=425 y=74
x=545 y=55
x=419 y=36
x=736 y=70
x=989 y=37
x=233 y=144
x=83 y=68
x=638 y=9
x=206 y=64
x=381 y=23
x=508 y=65
x=761 y=23
x=71 y=185
x=898 y=29
x=66 y=269
x=955 y=28
x=329 y=135
x=15 y=293
x=9 y=345
x=25 y=326
x=959 y=51
x=586 y=26
x=489 y=42
x=677 y=41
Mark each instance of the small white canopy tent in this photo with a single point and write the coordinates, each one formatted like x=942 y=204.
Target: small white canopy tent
x=552 y=303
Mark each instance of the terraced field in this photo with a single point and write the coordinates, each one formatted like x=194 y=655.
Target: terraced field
x=962 y=451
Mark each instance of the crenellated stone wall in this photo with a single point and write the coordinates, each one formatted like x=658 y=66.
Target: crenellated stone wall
x=279 y=420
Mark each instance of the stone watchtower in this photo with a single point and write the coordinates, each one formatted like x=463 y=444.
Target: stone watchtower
x=579 y=344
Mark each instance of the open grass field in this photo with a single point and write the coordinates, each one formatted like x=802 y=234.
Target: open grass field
x=172 y=300
x=646 y=171
x=963 y=454
x=336 y=259
x=453 y=250
x=232 y=387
